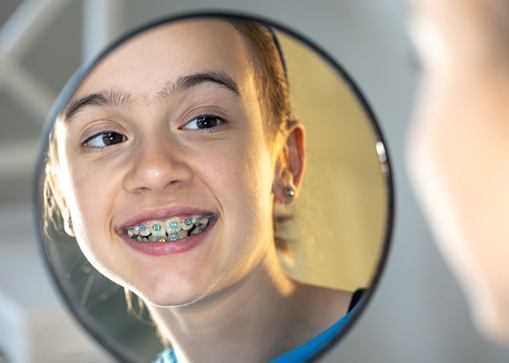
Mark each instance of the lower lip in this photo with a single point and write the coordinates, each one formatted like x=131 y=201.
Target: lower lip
x=167 y=248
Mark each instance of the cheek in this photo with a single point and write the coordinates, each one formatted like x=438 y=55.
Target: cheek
x=91 y=192
x=243 y=177
x=249 y=173
x=462 y=124
x=460 y=163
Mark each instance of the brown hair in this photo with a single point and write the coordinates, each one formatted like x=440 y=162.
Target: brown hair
x=270 y=73
x=273 y=95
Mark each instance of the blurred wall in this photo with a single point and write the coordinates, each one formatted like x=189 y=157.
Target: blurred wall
x=339 y=220
x=418 y=314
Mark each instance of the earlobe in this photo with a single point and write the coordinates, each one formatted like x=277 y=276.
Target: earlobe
x=289 y=192
x=284 y=193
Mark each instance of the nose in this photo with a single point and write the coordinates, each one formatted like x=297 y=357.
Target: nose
x=156 y=165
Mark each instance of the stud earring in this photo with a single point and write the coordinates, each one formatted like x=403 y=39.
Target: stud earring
x=69 y=223
x=289 y=192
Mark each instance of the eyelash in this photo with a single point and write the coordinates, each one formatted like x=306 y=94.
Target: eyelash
x=104 y=134
x=204 y=118
x=110 y=133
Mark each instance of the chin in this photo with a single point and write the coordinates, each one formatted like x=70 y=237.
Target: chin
x=169 y=297
x=171 y=302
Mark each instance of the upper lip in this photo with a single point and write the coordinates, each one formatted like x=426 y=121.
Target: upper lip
x=160 y=213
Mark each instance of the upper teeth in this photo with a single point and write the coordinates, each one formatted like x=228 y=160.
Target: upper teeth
x=171 y=229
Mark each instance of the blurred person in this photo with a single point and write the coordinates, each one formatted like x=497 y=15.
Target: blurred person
x=458 y=149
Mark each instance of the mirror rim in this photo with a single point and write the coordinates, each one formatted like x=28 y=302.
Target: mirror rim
x=79 y=76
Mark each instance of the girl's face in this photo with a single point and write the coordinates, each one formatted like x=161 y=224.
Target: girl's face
x=170 y=125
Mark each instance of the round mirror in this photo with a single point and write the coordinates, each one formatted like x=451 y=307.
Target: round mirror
x=214 y=187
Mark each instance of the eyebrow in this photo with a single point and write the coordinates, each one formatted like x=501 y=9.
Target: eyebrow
x=119 y=98
x=186 y=82
x=111 y=97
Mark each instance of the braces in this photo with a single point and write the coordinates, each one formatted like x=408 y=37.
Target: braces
x=171 y=230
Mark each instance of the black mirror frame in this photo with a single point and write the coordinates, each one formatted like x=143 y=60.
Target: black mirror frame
x=66 y=94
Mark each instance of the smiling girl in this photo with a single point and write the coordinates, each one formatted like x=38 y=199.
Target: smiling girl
x=167 y=165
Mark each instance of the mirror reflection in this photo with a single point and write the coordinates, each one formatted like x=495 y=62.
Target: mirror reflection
x=214 y=190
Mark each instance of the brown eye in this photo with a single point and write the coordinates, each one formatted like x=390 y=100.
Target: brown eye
x=203 y=122
x=104 y=139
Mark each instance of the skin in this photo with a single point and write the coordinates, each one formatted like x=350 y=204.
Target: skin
x=231 y=284
x=459 y=150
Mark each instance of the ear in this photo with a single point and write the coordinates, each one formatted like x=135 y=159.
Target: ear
x=56 y=191
x=291 y=162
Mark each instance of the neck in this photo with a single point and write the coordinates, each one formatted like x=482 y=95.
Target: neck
x=250 y=321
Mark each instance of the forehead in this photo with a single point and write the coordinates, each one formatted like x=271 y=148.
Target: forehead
x=144 y=63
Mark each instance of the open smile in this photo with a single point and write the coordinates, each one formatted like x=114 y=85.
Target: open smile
x=169 y=230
